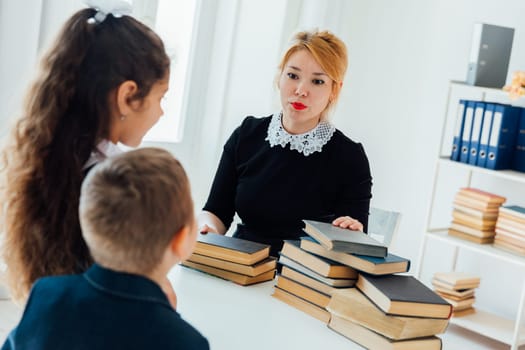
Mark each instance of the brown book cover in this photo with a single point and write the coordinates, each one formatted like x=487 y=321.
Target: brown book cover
x=458 y=305
x=464 y=312
x=472 y=221
x=256 y=269
x=369 y=264
x=478 y=194
x=231 y=249
x=498 y=242
x=472 y=231
x=352 y=305
x=403 y=295
x=344 y=240
x=446 y=290
x=304 y=292
x=482 y=214
x=301 y=304
x=307 y=280
x=324 y=267
x=510 y=237
x=243 y=280
x=333 y=282
x=511 y=226
x=471 y=238
x=514 y=211
x=457 y=280
x=372 y=340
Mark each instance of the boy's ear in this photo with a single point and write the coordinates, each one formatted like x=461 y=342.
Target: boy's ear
x=125 y=93
x=180 y=244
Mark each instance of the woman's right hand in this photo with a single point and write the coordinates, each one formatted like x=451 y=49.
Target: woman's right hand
x=207 y=229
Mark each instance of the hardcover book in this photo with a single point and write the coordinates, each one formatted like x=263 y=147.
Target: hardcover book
x=301 y=304
x=456 y=280
x=333 y=282
x=352 y=305
x=256 y=269
x=231 y=249
x=243 y=280
x=344 y=240
x=404 y=296
x=514 y=211
x=307 y=280
x=372 y=340
x=484 y=196
x=324 y=267
x=369 y=264
x=303 y=292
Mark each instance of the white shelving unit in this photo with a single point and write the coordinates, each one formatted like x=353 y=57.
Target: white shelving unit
x=509 y=331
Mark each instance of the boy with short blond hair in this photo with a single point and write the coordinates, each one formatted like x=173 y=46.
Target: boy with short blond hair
x=137 y=219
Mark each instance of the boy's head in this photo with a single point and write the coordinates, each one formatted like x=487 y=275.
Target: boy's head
x=136 y=206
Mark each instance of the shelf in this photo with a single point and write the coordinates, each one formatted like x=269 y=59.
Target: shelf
x=485 y=249
x=503 y=174
x=490 y=325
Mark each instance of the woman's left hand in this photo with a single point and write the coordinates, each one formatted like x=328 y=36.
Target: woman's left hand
x=348 y=222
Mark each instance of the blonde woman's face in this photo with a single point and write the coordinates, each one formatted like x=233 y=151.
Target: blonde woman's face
x=305 y=90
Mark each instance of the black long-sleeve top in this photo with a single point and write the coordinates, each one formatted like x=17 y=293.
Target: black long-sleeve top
x=273 y=189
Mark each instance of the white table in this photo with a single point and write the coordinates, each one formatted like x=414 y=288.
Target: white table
x=236 y=317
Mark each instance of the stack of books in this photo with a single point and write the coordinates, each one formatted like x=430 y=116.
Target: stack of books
x=307 y=281
x=238 y=260
x=390 y=312
x=474 y=215
x=315 y=268
x=510 y=229
x=458 y=289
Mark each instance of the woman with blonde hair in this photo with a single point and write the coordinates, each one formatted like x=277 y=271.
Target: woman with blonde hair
x=293 y=165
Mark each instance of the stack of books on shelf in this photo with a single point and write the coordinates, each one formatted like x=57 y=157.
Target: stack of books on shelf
x=313 y=271
x=390 y=312
x=238 y=260
x=510 y=229
x=474 y=215
x=458 y=289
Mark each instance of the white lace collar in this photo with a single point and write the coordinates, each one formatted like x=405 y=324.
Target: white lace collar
x=103 y=150
x=307 y=143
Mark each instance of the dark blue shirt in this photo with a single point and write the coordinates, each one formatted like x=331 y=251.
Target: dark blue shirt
x=101 y=309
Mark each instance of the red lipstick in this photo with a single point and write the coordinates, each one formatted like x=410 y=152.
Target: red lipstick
x=298 y=106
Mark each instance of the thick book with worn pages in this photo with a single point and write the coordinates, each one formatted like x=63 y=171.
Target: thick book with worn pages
x=456 y=280
x=460 y=294
x=232 y=249
x=369 y=264
x=472 y=231
x=344 y=240
x=482 y=214
x=372 y=340
x=469 y=237
x=472 y=221
x=324 y=267
x=484 y=196
x=403 y=295
x=513 y=212
x=256 y=269
x=302 y=291
x=333 y=282
x=307 y=281
x=243 y=280
x=301 y=304
x=352 y=305
x=459 y=305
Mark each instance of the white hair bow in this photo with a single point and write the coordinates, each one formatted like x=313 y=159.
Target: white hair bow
x=117 y=8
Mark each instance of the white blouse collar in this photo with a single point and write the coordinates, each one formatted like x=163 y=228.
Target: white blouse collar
x=307 y=143
x=103 y=150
